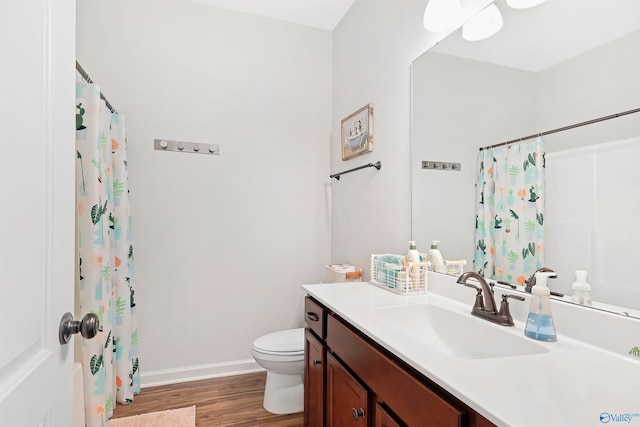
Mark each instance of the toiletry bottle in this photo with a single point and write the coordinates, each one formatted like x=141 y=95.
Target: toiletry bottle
x=413 y=256
x=581 y=290
x=540 y=324
x=435 y=258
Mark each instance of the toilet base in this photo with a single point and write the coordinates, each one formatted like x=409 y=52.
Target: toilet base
x=284 y=394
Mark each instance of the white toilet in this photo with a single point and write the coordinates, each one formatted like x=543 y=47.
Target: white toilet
x=282 y=355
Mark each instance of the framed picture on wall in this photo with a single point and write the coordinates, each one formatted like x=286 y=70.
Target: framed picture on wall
x=357 y=133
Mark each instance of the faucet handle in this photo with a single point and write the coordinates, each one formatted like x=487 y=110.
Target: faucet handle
x=511 y=285
x=469 y=285
x=500 y=282
x=504 y=308
x=479 y=304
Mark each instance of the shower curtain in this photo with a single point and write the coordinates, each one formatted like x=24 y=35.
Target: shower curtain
x=105 y=256
x=510 y=198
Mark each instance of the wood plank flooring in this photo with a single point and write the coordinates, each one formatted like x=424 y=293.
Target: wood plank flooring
x=229 y=401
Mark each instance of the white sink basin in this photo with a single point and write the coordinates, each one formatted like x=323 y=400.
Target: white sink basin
x=459 y=333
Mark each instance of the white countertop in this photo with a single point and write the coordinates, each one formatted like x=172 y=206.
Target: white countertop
x=572 y=384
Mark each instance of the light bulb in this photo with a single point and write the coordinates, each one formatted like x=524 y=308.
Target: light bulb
x=524 y=4
x=485 y=24
x=442 y=15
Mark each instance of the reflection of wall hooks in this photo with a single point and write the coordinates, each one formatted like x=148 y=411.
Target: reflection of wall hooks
x=186 y=147
x=445 y=166
x=376 y=165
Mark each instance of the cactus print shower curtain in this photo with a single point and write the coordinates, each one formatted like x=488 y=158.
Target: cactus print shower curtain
x=105 y=256
x=510 y=197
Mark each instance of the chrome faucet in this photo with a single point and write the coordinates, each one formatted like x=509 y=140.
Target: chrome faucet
x=485 y=308
x=531 y=281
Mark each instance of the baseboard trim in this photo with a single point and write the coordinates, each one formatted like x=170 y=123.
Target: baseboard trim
x=201 y=372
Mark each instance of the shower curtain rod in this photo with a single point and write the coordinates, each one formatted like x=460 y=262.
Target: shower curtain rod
x=576 y=125
x=85 y=76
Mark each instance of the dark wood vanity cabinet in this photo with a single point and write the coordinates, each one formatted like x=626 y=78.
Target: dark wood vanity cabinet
x=314 y=362
x=347 y=399
x=382 y=418
x=362 y=384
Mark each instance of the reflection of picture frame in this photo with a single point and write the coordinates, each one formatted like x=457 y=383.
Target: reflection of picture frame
x=357 y=133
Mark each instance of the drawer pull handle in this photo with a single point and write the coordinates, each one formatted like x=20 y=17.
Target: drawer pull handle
x=317 y=362
x=312 y=316
x=357 y=413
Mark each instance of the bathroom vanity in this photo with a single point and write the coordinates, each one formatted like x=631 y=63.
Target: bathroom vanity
x=374 y=358
x=349 y=379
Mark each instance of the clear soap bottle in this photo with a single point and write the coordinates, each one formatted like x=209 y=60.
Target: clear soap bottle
x=540 y=324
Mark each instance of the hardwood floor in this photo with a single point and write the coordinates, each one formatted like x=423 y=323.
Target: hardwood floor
x=228 y=401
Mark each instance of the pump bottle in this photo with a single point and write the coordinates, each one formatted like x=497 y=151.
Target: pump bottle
x=413 y=256
x=540 y=324
x=581 y=290
x=435 y=258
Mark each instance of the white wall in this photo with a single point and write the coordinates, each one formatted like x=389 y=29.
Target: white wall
x=373 y=47
x=598 y=83
x=222 y=244
x=372 y=50
x=459 y=105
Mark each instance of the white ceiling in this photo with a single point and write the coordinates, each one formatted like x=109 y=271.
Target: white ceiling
x=537 y=38
x=324 y=14
x=531 y=39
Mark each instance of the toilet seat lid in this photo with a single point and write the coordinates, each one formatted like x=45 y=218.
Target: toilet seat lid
x=287 y=341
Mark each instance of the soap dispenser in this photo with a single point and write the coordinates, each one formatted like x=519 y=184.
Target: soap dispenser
x=540 y=324
x=435 y=258
x=581 y=290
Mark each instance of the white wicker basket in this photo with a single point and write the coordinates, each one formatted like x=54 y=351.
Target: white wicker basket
x=404 y=279
x=343 y=273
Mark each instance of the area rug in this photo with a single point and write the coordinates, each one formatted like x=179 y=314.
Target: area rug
x=183 y=417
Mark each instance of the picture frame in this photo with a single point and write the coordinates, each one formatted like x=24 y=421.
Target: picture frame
x=356 y=133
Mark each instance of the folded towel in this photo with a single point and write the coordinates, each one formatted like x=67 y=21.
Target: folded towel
x=388 y=267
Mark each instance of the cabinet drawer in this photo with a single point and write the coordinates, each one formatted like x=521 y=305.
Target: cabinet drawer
x=315 y=315
x=411 y=400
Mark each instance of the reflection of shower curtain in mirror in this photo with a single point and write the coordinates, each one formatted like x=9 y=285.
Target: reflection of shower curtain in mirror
x=105 y=256
x=510 y=198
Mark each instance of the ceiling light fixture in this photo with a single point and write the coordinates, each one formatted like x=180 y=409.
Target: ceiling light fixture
x=524 y=4
x=442 y=15
x=485 y=24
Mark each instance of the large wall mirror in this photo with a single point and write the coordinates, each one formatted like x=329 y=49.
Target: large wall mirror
x=554 y=65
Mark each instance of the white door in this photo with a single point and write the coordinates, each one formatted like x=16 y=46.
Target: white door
x=37 y=94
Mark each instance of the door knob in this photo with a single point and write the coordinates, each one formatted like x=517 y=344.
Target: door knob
x=88 y=327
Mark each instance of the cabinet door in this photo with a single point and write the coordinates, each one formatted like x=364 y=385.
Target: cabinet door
x=313 y=381
x=346 y=399
x=384 y=419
